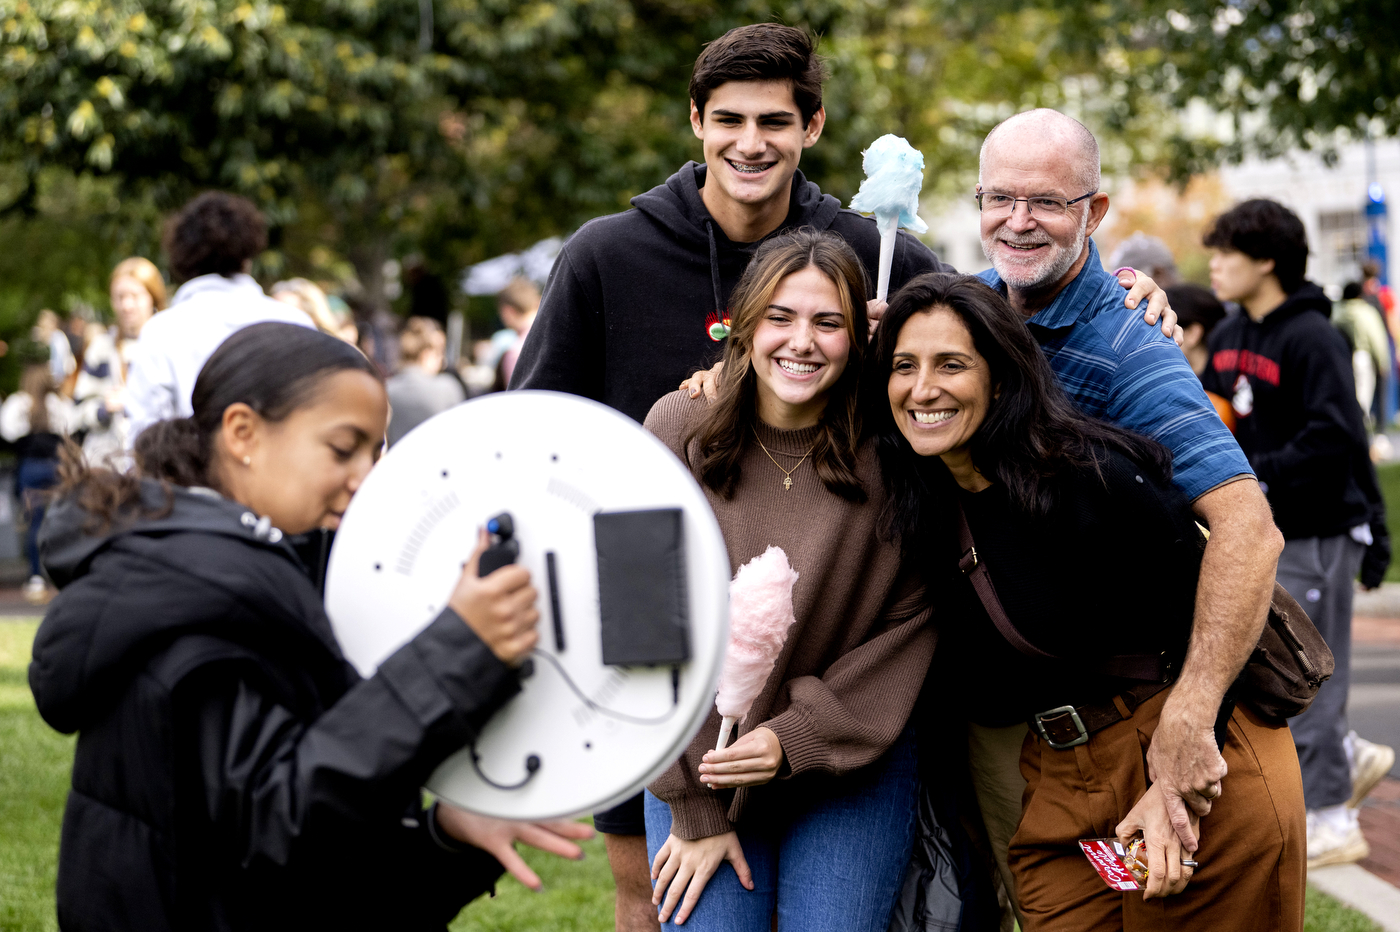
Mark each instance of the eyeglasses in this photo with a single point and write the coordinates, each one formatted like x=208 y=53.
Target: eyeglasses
x=1003 y=204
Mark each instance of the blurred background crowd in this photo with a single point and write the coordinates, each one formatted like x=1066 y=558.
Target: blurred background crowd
x=419 y=165
x=73 y=368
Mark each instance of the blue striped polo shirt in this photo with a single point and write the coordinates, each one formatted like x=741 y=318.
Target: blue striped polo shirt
x=1117 y=368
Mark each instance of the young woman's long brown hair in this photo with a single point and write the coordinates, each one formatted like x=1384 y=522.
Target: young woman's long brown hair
x=727 y=429
x=37 y=383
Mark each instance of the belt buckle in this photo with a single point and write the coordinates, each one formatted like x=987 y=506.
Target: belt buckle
x=1038 y=723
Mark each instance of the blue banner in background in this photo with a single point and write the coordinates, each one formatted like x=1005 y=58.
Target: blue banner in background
x=1376 y=229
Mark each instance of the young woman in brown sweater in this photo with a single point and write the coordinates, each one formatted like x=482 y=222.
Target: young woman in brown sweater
x=813 y=806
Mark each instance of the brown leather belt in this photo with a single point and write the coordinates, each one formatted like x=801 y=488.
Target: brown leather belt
x=1070 y=726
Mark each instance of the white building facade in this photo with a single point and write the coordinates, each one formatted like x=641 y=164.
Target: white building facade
x=1331 y=201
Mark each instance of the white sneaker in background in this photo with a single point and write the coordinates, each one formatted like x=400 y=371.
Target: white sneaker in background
x=1334 y=838
x=36 y=591
x=1369 y=764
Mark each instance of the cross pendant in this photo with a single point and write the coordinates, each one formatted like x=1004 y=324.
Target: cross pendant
x=787 y=483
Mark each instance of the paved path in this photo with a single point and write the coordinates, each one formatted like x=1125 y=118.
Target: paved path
x=1380 y=821
x=1373 y=709
x=14 y=606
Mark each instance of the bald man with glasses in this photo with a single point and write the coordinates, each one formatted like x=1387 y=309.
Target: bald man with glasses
x=1038 y=192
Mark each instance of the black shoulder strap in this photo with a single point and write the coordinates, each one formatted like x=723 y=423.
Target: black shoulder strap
x=976 y=572
x=1147 y=667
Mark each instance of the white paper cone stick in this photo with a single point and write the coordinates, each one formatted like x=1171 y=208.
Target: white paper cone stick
x=889 y=229
x=894 y=175
x=726 y=725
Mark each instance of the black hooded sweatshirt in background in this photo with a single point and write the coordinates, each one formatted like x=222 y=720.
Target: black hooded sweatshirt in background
x=627 y=311
x=1290 y=382
x=232 y=770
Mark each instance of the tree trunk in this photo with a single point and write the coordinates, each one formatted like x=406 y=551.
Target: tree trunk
x=368 y=256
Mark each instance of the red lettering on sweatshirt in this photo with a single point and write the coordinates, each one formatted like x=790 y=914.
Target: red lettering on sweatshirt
x=1246 y=362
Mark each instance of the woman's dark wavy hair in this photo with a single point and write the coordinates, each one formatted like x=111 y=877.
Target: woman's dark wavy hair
x=727 y=428
x=273 y=368
x=1031 y=434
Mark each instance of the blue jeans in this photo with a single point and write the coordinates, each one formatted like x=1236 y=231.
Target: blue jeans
x=830 y=857
x=33 y=478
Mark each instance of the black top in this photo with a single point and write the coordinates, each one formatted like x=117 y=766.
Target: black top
x=1112 y=570
x=40 y=446
x=232 y=770
x=627 y=311
x=1289 y=380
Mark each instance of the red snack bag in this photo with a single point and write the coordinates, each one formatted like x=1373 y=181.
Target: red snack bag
x=1114 y=863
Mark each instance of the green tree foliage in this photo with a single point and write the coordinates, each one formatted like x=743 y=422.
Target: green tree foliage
x=458 y=129
x=1250 y=76
x=333 y=102
x=455 y=128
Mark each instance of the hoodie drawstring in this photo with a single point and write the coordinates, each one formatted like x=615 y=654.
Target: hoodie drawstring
x=714 y=267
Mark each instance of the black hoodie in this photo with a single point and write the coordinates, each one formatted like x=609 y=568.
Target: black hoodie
x=1290 y=383
x=626 y=315
x=232 y=771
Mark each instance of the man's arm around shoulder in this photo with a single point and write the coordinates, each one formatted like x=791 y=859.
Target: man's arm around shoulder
x=1232 y=602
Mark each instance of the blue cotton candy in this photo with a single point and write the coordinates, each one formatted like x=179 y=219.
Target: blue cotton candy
x=894 y=175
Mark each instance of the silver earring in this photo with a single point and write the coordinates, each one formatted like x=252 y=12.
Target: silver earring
x=247 y=461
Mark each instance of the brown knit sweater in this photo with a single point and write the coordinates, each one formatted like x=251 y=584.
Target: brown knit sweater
x=845 y=683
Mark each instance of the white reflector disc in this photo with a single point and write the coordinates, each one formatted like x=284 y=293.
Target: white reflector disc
x=552 y=461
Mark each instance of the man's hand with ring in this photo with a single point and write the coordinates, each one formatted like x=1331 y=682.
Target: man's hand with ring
x=1185 y=764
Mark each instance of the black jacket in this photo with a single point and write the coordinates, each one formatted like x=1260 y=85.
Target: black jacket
x=1063 y=579
x=1289 y=380
x=625 y=317
x=232 y=770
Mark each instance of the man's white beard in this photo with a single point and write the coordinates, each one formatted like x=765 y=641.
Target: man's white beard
x=1050 y=270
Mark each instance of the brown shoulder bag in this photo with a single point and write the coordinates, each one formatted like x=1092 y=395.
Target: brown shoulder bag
x=1279 y=680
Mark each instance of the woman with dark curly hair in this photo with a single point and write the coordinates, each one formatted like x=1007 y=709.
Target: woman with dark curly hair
x=1042 y=523
x=211 y=244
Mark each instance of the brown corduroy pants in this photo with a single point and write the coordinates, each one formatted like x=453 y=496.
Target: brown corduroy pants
x=1253 y=845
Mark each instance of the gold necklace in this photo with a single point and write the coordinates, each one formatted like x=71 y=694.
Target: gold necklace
x=787 y=473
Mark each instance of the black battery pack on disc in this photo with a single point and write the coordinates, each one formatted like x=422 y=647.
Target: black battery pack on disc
x=631 y=578
x=643 y=607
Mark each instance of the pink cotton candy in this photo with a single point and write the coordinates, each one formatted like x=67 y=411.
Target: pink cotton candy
x=760 y=614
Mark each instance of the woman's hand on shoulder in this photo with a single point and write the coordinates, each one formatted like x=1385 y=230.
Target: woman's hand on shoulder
x=682 y=869
x=497 y=837
x=499 y=607
x=752 y=760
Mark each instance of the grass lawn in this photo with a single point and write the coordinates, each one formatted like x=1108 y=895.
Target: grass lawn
x=1389 y=474
x=34 y=770
x=34 y=767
